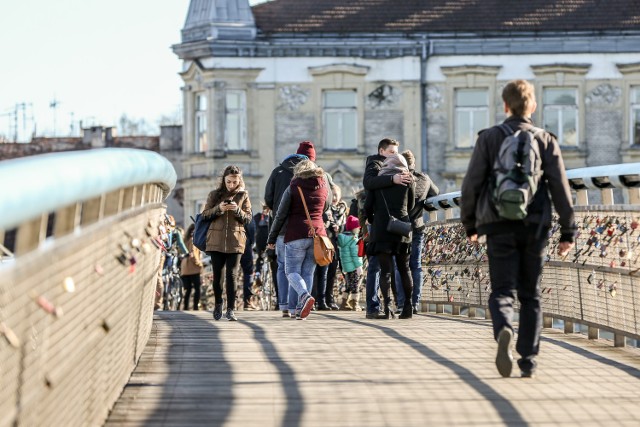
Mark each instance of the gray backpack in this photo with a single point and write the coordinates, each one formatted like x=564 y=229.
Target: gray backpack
x=517 y=172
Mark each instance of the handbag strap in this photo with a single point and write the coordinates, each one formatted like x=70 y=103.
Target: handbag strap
x=304 y=202
x=385 y=202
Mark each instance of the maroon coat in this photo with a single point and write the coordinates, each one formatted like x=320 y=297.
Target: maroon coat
x=314 y=188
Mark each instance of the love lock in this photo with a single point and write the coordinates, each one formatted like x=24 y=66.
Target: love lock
x=613 y=289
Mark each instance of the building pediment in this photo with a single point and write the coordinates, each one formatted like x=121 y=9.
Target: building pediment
x=580 y=69
x=355 y=69
x=632 y=68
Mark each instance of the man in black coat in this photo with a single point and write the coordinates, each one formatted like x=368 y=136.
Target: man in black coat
x=372 y=181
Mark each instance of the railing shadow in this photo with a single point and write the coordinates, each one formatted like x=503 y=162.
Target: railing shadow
x=197 y=390
x=294 y=399
x=502 y=405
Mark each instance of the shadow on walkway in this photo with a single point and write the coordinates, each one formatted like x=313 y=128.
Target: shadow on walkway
x=295 y=401
x=504 y=408
x=635 y=372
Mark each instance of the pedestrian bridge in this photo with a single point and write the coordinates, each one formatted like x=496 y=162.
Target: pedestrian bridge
x=81 y=345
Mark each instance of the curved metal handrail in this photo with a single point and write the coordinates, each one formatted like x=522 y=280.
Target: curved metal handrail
x=39 y=184
x=626 y=175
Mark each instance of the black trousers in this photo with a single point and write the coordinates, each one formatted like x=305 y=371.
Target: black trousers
x=191 y=281
x=230 y=263
x=387 y=271
x=515 y=264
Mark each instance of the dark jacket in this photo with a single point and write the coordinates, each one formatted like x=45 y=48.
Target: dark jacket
x=279 y=180
x=373 y=181
x=400 y=200
x=477 y=212
x=262 y=223
x=291 y=210
x=425 y=188
x=227 y=233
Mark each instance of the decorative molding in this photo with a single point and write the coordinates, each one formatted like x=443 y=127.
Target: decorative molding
x=355 y=69
x=384 y=96
x=464 y=70
x=579 y=69
x=629 y=68
x=604 y=94
x=434 y=97
x=292 y=97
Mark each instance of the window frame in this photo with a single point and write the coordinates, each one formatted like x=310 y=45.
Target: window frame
x=558 y=108
x=200 y=118
x=634 y=107
x=241 y=113
x=341 y=111
x=472 y=110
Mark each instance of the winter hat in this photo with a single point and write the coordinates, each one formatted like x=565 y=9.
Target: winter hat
x=352 y=222
x=306 y=148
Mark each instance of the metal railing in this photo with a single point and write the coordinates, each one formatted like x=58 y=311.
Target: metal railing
x=76 y=300
x=595 y=285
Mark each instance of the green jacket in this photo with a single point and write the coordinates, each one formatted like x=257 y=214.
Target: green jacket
x=348 y=248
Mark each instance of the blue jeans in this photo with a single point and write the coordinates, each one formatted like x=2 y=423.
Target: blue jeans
x=515 y=262
x=373 y=284
x=300 y=264
x=415 y=265
x=283 y=283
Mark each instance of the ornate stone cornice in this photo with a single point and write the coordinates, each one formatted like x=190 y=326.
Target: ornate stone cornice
x=464 y=70
x=580 y=69
x=629 y=68
x=355 y=69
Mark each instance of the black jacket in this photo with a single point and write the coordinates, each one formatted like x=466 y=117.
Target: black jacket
x=262 y=223
x=477 y=212
x=373 y=181
x=279 y=181
x=425 y=188
x=400 y=200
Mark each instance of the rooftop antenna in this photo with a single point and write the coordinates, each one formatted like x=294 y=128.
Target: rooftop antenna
x=54 y=106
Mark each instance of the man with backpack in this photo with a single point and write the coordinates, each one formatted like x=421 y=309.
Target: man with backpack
x=505 y=196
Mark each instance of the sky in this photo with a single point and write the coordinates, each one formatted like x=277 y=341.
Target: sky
x=99 y=59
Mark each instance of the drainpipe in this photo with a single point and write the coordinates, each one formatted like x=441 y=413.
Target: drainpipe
x=423 y=100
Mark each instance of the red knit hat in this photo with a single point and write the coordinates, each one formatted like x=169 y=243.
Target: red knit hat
x=306 y=148
x=352 y=222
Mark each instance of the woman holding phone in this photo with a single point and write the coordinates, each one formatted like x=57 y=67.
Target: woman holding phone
x=230 y=208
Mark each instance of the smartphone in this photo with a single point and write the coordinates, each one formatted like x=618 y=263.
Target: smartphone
x=228 y=201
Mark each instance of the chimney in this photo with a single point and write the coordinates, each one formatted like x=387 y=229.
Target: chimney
x=94 y=136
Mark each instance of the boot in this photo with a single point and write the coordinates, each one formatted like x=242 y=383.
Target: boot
x=388 y=313
x=217 y=311
x=343 y=304
x=322 y=306
x=407 y=311
x=356 y=297
x=351 y=303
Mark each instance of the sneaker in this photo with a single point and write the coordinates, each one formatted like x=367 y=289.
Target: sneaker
x=416 y=310
x=307 y=306
x=504 y=359
x=527 y=373
x=334 y=306
x=231 y=315
x=285 y=313
x=217 y=312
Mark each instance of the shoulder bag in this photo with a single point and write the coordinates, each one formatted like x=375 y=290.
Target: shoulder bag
x=323 y=250
x=395 y=225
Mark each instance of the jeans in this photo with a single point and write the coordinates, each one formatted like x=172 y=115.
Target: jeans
x=229 y=262
x=283 y=283
x=415 y=265
x=515 y=263
x=300 y=265
x=320 y=282
x=372 y=285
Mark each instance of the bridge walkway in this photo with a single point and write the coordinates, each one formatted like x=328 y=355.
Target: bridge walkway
x=339 y=369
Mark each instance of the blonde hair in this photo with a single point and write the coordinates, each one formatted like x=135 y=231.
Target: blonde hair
x=520 y=97
x=303 y=166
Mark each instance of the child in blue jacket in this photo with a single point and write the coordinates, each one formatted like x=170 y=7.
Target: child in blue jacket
x=349 y=259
